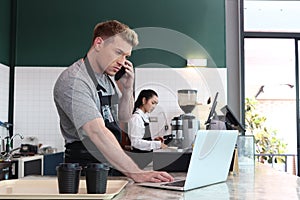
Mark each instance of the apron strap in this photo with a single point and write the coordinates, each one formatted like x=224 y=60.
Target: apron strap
x=147 y=135
x=92 y=74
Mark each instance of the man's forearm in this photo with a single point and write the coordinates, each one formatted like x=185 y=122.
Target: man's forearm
x=126 y=105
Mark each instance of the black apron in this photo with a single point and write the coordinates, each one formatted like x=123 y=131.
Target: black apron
x=76 y=152
x=147 y=136
x=142 y=157
x=107 y=102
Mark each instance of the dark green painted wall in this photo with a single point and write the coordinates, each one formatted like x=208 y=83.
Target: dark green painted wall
x=5 y=14
x=58 y=32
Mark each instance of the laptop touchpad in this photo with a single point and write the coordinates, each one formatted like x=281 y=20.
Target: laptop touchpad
x=176 y=183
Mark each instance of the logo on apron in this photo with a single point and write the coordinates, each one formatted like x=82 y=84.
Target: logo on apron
x=107 y=115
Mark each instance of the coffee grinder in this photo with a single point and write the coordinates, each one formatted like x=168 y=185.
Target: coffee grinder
x=185 y=126
x=184 y=129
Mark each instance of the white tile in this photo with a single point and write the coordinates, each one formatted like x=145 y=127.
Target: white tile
x=35 y=114
x=166 y=82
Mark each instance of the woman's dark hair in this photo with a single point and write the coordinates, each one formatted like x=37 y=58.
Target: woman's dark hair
x=148 y=94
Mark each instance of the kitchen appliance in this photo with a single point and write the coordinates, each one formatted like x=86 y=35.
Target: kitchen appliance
x=183 y=130
x=185 y=126
x=27 y=165
x=28 y=149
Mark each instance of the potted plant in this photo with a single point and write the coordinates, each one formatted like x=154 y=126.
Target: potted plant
x=266 y=139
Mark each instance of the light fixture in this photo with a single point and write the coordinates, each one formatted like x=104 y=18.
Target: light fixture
x=198 y=62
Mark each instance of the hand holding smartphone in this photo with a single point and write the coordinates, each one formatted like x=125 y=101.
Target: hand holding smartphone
x=120 y=73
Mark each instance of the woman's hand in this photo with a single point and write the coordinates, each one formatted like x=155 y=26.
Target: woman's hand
x=163 y=145
x=161 y=139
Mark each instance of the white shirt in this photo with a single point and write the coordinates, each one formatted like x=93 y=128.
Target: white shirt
x=136 y=131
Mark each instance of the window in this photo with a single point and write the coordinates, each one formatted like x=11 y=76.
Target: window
x=270 y=64
x=272 y=16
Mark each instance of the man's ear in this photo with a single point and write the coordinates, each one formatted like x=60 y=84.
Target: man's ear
x=97 y=42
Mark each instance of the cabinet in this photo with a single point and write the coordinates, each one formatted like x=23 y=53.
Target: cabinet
x=27 y=165
x=51 y=161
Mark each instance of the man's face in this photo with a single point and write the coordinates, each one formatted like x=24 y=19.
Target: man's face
x=112 y=54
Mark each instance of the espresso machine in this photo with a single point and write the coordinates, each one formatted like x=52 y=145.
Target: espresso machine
x=185 y=126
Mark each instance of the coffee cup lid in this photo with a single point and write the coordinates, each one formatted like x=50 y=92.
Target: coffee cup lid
x=69 y=166
x=97 y=166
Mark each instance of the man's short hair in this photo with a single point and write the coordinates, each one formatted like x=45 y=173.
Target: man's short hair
x=113 y=27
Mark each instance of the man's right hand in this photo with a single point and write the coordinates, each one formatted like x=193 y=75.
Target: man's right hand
x=151 y=176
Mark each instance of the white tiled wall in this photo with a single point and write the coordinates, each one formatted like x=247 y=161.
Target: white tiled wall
x=166 y=82
x=35 y=114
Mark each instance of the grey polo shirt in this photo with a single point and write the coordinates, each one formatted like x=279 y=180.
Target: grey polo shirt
x=77 y=101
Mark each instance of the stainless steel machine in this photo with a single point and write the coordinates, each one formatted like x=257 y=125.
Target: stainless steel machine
x=184 y=129
x=185 y=126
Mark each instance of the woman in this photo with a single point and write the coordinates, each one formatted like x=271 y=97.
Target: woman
x=138 y=127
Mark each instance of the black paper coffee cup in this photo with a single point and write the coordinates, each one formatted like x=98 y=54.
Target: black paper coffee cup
x=96 y=178
x=68 y=175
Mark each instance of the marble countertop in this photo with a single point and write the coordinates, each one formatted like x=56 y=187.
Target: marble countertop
x=261 y=182
x=264 y=183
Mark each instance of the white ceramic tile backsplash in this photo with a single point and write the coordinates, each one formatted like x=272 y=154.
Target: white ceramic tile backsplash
x=166 y=82
x=35 y=114
x=4 y=97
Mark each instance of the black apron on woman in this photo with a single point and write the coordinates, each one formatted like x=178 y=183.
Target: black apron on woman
x=76 y=152
x=142 y=157
x=147 y=136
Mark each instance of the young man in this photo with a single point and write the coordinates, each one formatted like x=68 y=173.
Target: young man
x=89 y=106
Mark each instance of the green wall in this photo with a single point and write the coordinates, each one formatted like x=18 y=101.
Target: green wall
x=58 y=32
x=5 y=14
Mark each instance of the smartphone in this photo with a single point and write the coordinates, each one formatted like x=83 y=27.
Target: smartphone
x=120 y=73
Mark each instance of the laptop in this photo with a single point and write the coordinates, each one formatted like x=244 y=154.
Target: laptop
x=210 y=161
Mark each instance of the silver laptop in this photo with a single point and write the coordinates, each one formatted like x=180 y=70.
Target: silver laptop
x=210 y=161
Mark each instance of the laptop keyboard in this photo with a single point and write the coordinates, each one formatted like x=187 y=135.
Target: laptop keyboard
x=176 y=183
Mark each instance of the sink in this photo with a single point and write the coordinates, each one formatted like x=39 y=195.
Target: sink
x=4 y=170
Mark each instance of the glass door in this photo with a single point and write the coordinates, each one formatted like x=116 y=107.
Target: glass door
x=270 y=86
